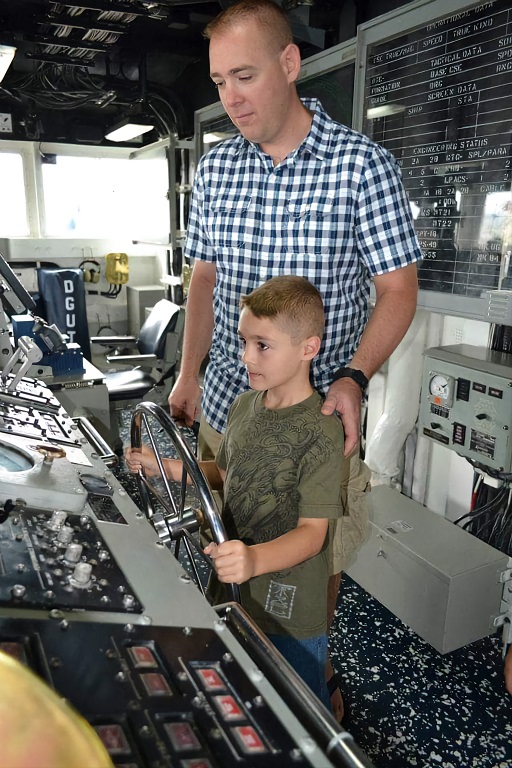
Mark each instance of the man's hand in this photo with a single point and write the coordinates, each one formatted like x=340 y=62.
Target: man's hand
x=233 y=561
x=344 y=396
x=184 y=400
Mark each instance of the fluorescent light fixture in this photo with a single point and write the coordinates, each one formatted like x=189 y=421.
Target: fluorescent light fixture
x=129 y=128
x=6 y=56
x=384 y=110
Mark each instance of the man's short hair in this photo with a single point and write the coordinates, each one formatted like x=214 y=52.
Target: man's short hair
x=270 y=16
x=293 y=302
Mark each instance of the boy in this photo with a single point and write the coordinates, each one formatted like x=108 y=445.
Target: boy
x=280 y=463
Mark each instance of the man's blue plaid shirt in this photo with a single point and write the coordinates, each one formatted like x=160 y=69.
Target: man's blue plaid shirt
x=334 y=211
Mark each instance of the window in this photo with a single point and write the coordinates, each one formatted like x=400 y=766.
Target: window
x=13 y=207
x=106 y=197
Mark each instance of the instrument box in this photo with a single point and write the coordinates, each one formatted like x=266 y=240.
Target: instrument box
x=438 y=579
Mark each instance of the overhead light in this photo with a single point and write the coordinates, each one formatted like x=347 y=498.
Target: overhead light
x=6 y=56
x=384 y=110
x=129 y=128
x=210 y=138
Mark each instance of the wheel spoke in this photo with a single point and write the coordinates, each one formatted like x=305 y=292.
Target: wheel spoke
x=175 y=522
x=192 y=562
x=160 y=463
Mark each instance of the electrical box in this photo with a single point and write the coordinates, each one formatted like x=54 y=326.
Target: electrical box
x=438 y=579
x=138 y=299
x=466 y=403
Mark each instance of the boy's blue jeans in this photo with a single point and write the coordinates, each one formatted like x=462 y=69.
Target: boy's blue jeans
x=308 y=658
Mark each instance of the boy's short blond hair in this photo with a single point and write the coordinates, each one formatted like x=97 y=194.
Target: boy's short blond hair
x=266 y=13
x=293 y=302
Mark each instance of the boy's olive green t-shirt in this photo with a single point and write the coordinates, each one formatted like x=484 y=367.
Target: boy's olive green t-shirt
x=281 y=465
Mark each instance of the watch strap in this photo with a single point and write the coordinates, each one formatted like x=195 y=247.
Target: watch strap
x=352 y=373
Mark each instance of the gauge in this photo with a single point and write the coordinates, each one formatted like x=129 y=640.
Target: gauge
x=439 y=387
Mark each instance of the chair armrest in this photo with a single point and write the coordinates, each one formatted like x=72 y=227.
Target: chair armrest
x=114 y=341
x=131 y=359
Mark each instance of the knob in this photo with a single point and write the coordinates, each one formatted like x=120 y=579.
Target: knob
x=81 y=575
x=18 y=591
x=73 y=553
x=65 y=535
x=57 y=520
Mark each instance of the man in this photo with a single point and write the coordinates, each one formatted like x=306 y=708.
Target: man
x=295 y=193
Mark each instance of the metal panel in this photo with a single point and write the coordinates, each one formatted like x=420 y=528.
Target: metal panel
x=466 y=402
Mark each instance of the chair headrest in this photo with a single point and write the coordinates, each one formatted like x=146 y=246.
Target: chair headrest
x=161 y=321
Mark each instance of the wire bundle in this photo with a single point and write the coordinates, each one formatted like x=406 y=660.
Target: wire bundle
x=490 y=515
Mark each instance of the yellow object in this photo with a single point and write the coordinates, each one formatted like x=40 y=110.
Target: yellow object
x=38 y=729
x=116 y=268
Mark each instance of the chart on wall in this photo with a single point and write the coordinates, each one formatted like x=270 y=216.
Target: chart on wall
x=440 y=99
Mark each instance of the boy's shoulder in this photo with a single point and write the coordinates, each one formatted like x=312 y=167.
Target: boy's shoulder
x=330 y=423
x=243 y=401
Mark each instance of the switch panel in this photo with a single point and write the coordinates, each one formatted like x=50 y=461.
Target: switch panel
x=466 y=402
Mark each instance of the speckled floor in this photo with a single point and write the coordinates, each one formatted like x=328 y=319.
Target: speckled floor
x=407 y=705
x=410 y=706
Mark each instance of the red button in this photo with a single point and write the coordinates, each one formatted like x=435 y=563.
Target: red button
x=182 y=736
x=141 y=656
x=155 y=684
x=228 y=708
x=212 y=681
x=248 y=739
x=113 y=738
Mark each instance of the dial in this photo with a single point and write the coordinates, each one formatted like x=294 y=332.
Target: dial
x=439 y=386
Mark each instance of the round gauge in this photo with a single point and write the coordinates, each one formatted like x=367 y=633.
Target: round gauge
x=439 y=387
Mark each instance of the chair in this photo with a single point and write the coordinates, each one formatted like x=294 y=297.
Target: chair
x=150 y=372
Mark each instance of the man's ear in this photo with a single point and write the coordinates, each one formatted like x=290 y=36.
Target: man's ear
x=290 y=60
x=311 y=347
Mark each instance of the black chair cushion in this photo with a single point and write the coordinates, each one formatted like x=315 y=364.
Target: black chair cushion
x=128 y=385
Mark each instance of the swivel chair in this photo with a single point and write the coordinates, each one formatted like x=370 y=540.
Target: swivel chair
x=150 y=372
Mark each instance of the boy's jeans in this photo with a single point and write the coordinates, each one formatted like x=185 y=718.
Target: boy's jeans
x=308 y=658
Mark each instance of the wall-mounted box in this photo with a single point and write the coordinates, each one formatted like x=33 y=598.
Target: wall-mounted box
x=466 y=402
x=438 y=579
x=139 y=297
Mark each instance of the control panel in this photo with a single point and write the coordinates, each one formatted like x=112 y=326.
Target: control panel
x=60 y=561
x=466 y=403
x=95 y=604
x=166 y=696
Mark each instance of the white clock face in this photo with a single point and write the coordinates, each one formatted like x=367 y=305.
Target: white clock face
x=439 y=386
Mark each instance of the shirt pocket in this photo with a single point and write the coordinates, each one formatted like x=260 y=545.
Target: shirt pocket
x=229 y=222
x=311 y=227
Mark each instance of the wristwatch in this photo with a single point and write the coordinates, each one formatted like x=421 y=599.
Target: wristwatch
x=351 y=373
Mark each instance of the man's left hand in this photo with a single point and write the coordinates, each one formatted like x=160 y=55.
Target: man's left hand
x=344 y=396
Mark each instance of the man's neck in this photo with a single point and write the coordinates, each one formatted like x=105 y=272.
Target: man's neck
x=298 y=125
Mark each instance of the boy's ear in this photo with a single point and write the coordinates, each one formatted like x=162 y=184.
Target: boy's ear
x=311 y=347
